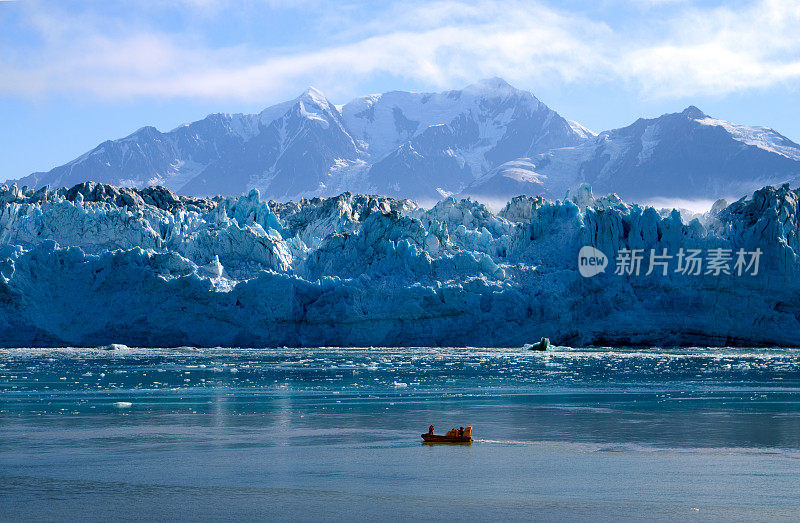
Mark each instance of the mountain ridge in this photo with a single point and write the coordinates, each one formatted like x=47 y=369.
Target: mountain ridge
x=487 y=140
x=685 y=154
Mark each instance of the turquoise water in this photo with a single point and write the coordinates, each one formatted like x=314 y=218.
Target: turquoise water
x=198 y=434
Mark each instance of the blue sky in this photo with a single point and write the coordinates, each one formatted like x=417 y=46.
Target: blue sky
x=73 y=74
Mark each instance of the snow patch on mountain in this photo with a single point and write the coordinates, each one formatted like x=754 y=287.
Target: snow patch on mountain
x=761 y=137
x=313 y=105
x=649 y=141
x=580 y=130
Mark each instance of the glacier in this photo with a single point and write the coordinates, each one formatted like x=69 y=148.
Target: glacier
x=97 y=264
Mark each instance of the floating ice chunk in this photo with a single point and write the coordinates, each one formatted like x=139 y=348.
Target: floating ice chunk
x=114 y=346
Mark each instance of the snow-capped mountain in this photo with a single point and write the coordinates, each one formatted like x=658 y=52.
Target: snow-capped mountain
x=435 y=145
x=420 y=145
x=293 y=155
x=681 y=155
x=490 y=121
x=488 y=140
x=150 y=157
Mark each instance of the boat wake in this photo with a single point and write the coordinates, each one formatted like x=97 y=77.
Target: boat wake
x=506 y=441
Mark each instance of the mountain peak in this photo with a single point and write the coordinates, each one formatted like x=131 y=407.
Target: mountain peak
x=313 y=105
x=314 y=96
x=494 y=84
x=693 y=112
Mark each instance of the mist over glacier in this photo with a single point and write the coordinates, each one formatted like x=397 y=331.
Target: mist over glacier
x=97 y=264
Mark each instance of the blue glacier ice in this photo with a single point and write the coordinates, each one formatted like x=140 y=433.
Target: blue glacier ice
x=96 y=264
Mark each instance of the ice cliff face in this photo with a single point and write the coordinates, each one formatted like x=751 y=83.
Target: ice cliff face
x=96 y=264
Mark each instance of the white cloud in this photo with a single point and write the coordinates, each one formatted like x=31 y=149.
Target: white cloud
x=442 y=44
x=656 y=3
x=720 y=51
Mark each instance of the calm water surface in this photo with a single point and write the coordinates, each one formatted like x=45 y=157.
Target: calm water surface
x=291 y=434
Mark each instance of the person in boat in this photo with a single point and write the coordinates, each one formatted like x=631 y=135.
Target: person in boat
x=458 y=435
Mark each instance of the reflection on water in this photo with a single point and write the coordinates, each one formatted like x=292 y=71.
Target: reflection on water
x=295 y=434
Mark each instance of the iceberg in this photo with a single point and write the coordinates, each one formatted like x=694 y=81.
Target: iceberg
x=96 y=265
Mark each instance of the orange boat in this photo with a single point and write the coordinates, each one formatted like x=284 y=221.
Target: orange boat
x=452 y=436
